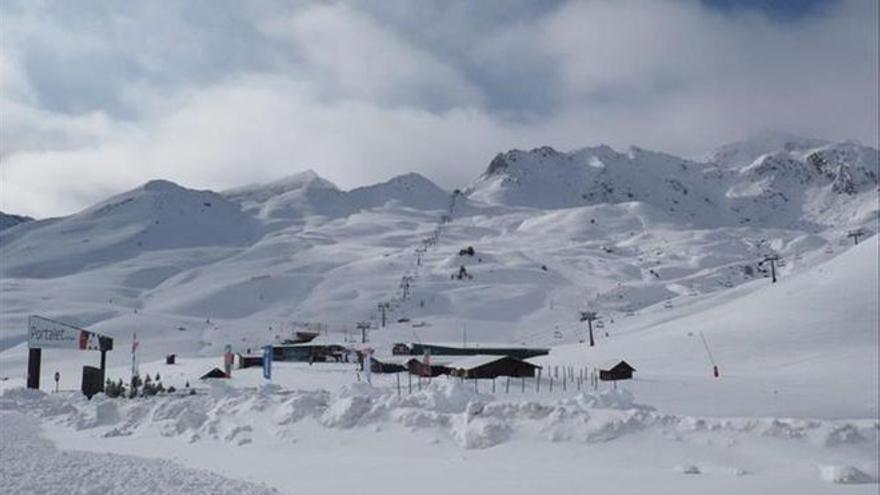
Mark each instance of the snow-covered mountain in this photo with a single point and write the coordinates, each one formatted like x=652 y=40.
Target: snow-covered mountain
x=9 y=220
x=307 y=193
x=623 y=232
x=159 y=215
x=741 y=153
x=804 y=184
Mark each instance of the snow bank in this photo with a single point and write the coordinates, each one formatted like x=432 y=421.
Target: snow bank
x=845 y=475
x=30 y=464
x=470 y=419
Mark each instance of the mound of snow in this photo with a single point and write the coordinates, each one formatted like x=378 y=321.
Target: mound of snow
x=845 y=475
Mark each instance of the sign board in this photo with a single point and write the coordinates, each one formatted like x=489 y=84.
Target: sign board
x=46 y=333
x=267 y=362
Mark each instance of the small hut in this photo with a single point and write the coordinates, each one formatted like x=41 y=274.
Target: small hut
x=620 y=371
x=250 y=360
x=492 y=366
x=214 y=373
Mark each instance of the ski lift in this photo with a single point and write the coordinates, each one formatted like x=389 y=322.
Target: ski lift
x=630 y=312
x=829 y=250
x=667 y=305
x=557 y=335
x=600 y=324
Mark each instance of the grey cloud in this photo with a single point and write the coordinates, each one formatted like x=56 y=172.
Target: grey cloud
x=98 y=97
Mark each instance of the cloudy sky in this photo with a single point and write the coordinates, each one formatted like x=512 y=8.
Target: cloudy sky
x=98 y=97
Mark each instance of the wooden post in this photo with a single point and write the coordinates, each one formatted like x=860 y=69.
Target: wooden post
x=33 y=373
x=410 y=382
x=493 y=385
x=523 y=384
x=507 y=386
x=564 y=379
x=398 y=383
x=551 y=384
x=538 y=383
x=103 y=369
x=476 y=387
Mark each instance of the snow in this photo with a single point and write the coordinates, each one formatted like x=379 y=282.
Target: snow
x=30 y=464
x=8 y=220
x=664 y=249
x=362 y=426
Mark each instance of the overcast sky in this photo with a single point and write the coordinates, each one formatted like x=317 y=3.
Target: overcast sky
x=98 y=97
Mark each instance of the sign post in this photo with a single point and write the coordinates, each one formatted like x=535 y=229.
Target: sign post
x=43 y=333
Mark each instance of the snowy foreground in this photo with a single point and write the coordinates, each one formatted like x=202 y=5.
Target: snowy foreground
x=446 y=436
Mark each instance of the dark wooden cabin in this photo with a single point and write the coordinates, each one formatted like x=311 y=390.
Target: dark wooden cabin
x=492 y=366
x=620 y=371
x=250 y=361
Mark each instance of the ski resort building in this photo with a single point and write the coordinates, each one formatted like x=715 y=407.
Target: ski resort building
x=620 y=371
x=311 y=352
x=491 y=366
x=419 y=349
x=250 y=360
x=388 y=364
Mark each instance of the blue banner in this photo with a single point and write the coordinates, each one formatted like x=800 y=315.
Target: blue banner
x=267 y=362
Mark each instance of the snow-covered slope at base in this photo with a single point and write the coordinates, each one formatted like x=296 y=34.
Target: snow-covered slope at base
x=808 y=343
